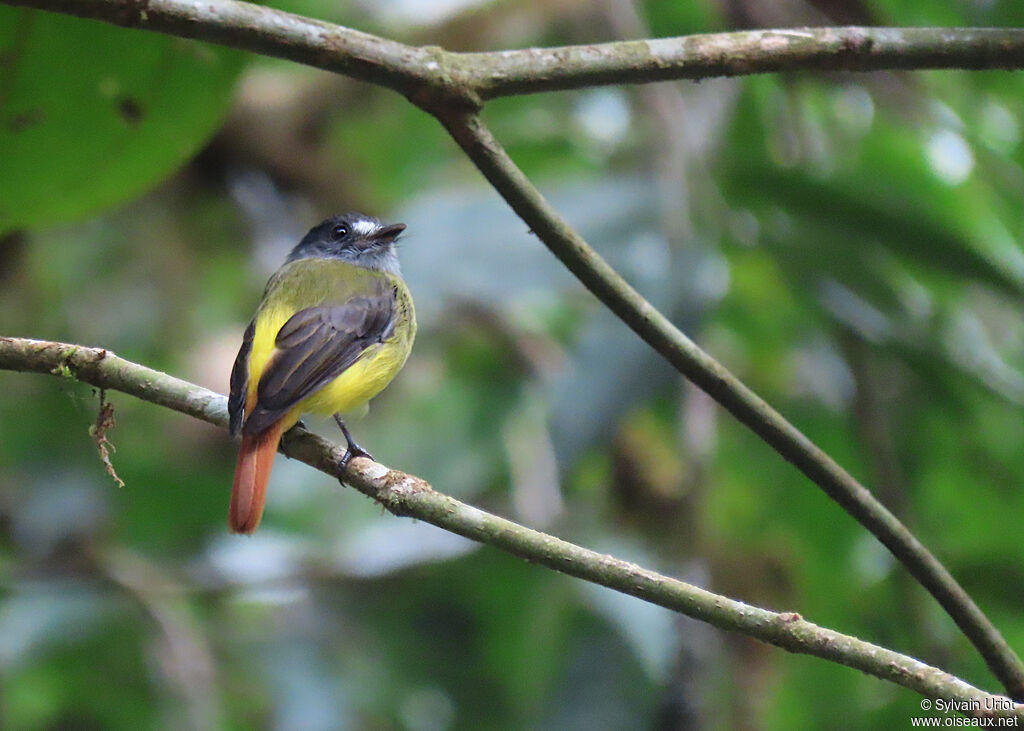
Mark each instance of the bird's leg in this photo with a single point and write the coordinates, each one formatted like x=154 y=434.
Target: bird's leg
x=354 y=450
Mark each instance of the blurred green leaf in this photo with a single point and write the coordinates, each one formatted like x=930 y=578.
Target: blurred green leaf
x=858 y=218
x=91 y=115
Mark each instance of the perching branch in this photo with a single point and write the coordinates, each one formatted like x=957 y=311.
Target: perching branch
x=453 y=86
x=405 y=495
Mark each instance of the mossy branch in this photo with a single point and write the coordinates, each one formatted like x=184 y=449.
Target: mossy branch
x=406 y=495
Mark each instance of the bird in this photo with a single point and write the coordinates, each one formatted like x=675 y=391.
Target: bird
x=335 y=325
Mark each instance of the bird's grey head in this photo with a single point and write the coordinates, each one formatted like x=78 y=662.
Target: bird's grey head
x=352 y=237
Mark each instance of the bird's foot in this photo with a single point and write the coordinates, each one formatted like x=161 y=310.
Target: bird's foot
x=353 y=450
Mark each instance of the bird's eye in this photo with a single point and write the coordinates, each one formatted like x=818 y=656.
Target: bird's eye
x=340 y=231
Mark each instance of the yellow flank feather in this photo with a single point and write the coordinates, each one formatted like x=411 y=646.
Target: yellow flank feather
x=314 y=282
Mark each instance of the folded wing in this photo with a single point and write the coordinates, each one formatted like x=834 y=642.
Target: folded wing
x=312 y=349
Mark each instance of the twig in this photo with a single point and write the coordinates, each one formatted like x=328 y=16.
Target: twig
x=99 y=430
x=184 y=654
x=406 y=495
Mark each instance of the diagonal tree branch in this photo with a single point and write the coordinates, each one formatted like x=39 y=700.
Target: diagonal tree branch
x=607 y=285
x=452 y=87
x=405 y=495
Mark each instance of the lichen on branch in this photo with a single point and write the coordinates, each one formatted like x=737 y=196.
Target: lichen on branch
x=407 y=495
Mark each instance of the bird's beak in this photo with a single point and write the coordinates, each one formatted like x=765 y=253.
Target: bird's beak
x=387 y=234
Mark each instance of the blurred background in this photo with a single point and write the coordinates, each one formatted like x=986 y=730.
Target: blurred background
x=849 y=245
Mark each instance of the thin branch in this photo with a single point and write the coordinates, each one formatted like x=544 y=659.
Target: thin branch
x=405 y=495
x=186 y=659
x=743 y=53
x=599 y=277
x=433 y=73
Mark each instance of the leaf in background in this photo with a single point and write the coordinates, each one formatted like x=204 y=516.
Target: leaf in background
x=91 y=115
x=883 y=217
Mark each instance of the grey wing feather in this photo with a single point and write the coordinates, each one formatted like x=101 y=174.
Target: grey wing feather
x=240 y=381
x=313 y=348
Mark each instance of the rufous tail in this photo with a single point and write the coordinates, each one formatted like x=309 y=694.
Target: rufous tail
x=249 y=491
